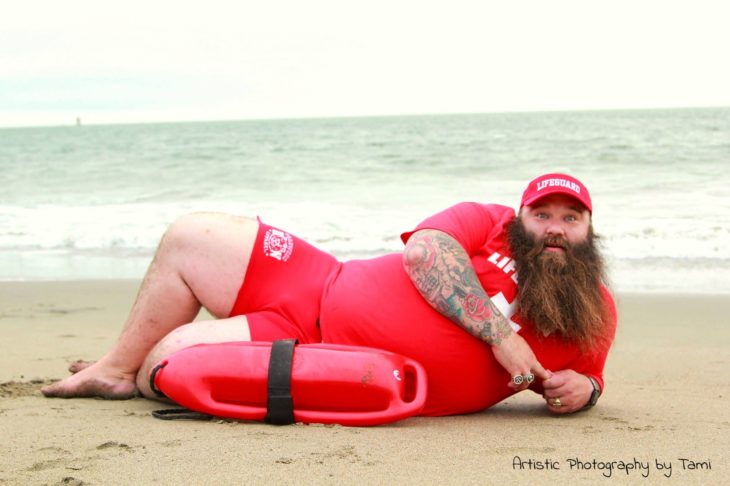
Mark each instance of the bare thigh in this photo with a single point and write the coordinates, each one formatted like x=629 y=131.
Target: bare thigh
x=199 y=332
x=212 y=251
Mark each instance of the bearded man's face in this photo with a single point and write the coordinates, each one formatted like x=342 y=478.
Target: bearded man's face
x=559 y=219
x=559 y=269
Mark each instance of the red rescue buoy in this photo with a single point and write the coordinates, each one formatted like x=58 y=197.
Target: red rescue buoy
x=330 y=383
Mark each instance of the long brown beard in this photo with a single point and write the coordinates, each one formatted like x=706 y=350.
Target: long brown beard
x=560 y=292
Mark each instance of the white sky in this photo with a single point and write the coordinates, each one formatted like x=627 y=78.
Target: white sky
x=138 y=61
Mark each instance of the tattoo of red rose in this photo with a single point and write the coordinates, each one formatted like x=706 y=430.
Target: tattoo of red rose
x=476 y=308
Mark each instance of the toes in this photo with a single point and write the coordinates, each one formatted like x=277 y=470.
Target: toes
x=53 y=390
x=79 y=365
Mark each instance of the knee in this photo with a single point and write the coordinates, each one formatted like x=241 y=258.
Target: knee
x=197 y=228
x=185 y=234
x=184 y=229
x=174 y=341
x=200 y=332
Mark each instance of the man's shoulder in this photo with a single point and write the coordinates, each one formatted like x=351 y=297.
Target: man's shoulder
x=496 y=210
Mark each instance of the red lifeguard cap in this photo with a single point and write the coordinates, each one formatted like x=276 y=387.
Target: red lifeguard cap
x=547 y=184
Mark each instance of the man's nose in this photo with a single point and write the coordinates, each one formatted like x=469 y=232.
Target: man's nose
x=555 y=228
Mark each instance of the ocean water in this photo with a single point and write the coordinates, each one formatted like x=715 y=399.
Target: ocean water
x=92 y=201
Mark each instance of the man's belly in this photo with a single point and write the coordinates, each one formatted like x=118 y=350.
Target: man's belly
x=373 y=303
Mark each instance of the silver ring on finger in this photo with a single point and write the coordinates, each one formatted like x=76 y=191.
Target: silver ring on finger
x=517 y=379
x=529 y=378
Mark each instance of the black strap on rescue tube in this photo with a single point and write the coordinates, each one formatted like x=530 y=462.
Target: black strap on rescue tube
x=279 y=404
x=152 y=379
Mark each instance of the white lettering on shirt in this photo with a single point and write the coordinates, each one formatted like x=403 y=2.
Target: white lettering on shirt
x=505 y=263
x=509 y=267
x=494 y=257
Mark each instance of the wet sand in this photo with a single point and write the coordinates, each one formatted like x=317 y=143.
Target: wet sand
x=666 y=403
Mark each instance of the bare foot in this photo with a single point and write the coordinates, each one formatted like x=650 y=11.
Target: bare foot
x=94 y=381
x=79 y=365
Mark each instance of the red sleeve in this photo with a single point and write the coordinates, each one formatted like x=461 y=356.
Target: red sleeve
x=591 y=364
x=468 y=223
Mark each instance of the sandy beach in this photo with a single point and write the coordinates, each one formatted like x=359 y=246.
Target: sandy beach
x=663 y=419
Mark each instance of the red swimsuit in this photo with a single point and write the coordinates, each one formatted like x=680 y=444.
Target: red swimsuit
x=373 y=303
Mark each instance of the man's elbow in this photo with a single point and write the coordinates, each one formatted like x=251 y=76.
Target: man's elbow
x=414 y=255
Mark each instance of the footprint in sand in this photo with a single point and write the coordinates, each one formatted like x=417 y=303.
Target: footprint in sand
x=113 y=445
x=43 y=465
x=71 y=480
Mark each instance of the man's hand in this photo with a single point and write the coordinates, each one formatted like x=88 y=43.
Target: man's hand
x=572 y=389
x=516 y=356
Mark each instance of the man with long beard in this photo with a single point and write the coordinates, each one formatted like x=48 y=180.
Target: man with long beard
x=529 y=288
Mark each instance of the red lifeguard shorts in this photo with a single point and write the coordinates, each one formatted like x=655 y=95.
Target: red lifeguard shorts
x=283 y=286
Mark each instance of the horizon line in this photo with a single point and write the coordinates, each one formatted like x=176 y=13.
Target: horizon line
x=78 y=120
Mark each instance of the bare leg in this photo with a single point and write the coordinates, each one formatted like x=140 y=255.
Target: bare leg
x=201 y=261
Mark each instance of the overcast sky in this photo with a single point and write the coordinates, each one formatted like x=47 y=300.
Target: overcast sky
x=138 y=61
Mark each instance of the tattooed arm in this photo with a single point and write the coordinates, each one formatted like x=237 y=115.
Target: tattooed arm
x=442 y=272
